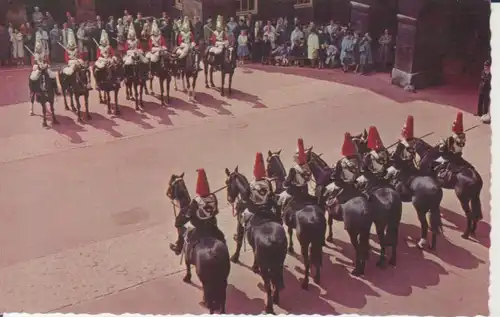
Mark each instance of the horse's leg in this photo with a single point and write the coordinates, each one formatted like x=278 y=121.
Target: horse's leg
x=162 y=90
x=266 y=278
x=136 y=95
x=290 y=241
x=465 y=203
x=424 y=225
x=71 y=99
x=64 y=91
x=212 y=77
x=222 y=81
x=230 y=83
x=353 y=236
x=188 y=84
x=205 y=71
x=183 y=79
x=44 y=114
x=128 y=90
x=380 y=228
x=151 y=83
x=78 y=108
x=169 y=79
x=304 y=250
x=238 y=237
x=255 y=265
x=86 y=100
x=175 y=82
x=54 y=119
x=476 y=211
x=193 y=93
x=187 y=277
x=394 y=234
x=117 y=106
x=329 y=238
x=108 y=101
x=32 y=99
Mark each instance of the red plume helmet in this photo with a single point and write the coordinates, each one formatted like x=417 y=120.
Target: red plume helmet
x=458 y=124
x=301 y=153
x=348 y=148
x=259 y=171
x=407 y=131
x=202 y=187
x=374 y=140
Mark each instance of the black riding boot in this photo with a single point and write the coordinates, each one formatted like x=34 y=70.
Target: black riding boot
x=179 y=244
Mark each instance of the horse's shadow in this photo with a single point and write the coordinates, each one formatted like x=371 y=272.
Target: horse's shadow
x=254 y=100
x=133 y=116
x=69 y=128
x=352 y=294
x=100 y=122
x=180 y=104
x=160 y=112
x=459 y=221
x=210 y=101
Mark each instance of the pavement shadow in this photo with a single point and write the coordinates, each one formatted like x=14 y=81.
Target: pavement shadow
x=182 y=105
x=459 y=223
x=338 y=286
x=69 y=128
x=129 y=114
x=254 y=100
x=103 y=123
x=161 y=113
x=210 y=101
x=237 y=302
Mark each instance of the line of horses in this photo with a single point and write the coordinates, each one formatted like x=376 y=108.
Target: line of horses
x=135 y=77
x=379 y=204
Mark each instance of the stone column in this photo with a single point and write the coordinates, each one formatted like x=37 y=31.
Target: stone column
x=419 y=48
x=360 y=16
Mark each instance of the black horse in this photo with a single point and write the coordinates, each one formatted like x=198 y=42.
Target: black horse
x=136 y=77
x=187 y=69
x=109 y=80
x=76 y=85
x=162 y=70
x=422 y=191
x=308 y=220
x=463 y=179
x=43 y=91
x=266 y=237
x=349 y=205
x=225 y=62
x=209 y=255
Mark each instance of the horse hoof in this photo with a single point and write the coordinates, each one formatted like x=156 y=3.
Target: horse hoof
x=381 y=264
x=269 y=311
x=55 y=122
x=392 y=262
x=356 y=272
x=118 y=112
x=207 y=86
x=255 y=269
x=109 y=111
x=80 y=120
x=186 y=279
x=305 y=286
x=329 y=239
x=317 y=280
x=89 y=117
x=291 y=251
x=465 y=236
x=73 y=109
x=45 y=124
x=235 y=259
x=66 y=108
x=32 y=113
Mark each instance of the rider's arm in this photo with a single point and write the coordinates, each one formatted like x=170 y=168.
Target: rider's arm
x=289 y=178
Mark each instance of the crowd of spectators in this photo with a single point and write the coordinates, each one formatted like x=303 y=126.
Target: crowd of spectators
x=276 y=42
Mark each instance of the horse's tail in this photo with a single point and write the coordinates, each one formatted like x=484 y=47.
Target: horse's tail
x=214 y=292
x=214 y=279
x=476 y=208
x=315 y=231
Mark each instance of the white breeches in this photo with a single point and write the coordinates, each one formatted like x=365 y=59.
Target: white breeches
x=283 y=197
x=72 y=64
x=35 y=74
x=154 y=55
x=103 y=61
x=218 y=47
x=182 y=50
x=129 y=58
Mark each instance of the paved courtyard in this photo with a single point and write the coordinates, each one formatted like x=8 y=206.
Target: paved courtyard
x=85 y=223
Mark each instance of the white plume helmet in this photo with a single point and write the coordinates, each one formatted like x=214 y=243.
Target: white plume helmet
x=185 y=24
x=131 y=32
x=104 y=38
x=220 y=23
x=154 y=28
x=71 y=39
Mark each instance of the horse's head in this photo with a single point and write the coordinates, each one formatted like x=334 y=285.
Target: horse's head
x=319 y=168
x=177 y=189
x=44 y=80
x=230 y=56
x=237 y=185
x=361 y=142
x=275 y=169
x=82 y=77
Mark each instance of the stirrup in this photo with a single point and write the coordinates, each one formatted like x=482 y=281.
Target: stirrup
x=175 y=247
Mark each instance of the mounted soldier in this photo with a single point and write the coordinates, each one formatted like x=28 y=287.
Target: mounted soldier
x=219 y=40
x=405 y=149
x=348 y=169
x=156 y=44
x=375 y=163
x=298 y=178
x=105 y=53
x=39 y=61
x=201 y=212
x=73 y=58
x=185 y=39
x=133 y=48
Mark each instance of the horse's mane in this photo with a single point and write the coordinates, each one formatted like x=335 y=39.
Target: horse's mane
x=422 y=147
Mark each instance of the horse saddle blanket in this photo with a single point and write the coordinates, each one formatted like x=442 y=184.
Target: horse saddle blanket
x=69 y=70
x=153 y=57
x=35 y=75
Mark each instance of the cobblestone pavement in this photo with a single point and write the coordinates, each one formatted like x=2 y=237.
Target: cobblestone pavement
x=85 y=223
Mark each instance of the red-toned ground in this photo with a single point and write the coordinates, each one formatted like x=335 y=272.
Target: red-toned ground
x=85 y=225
